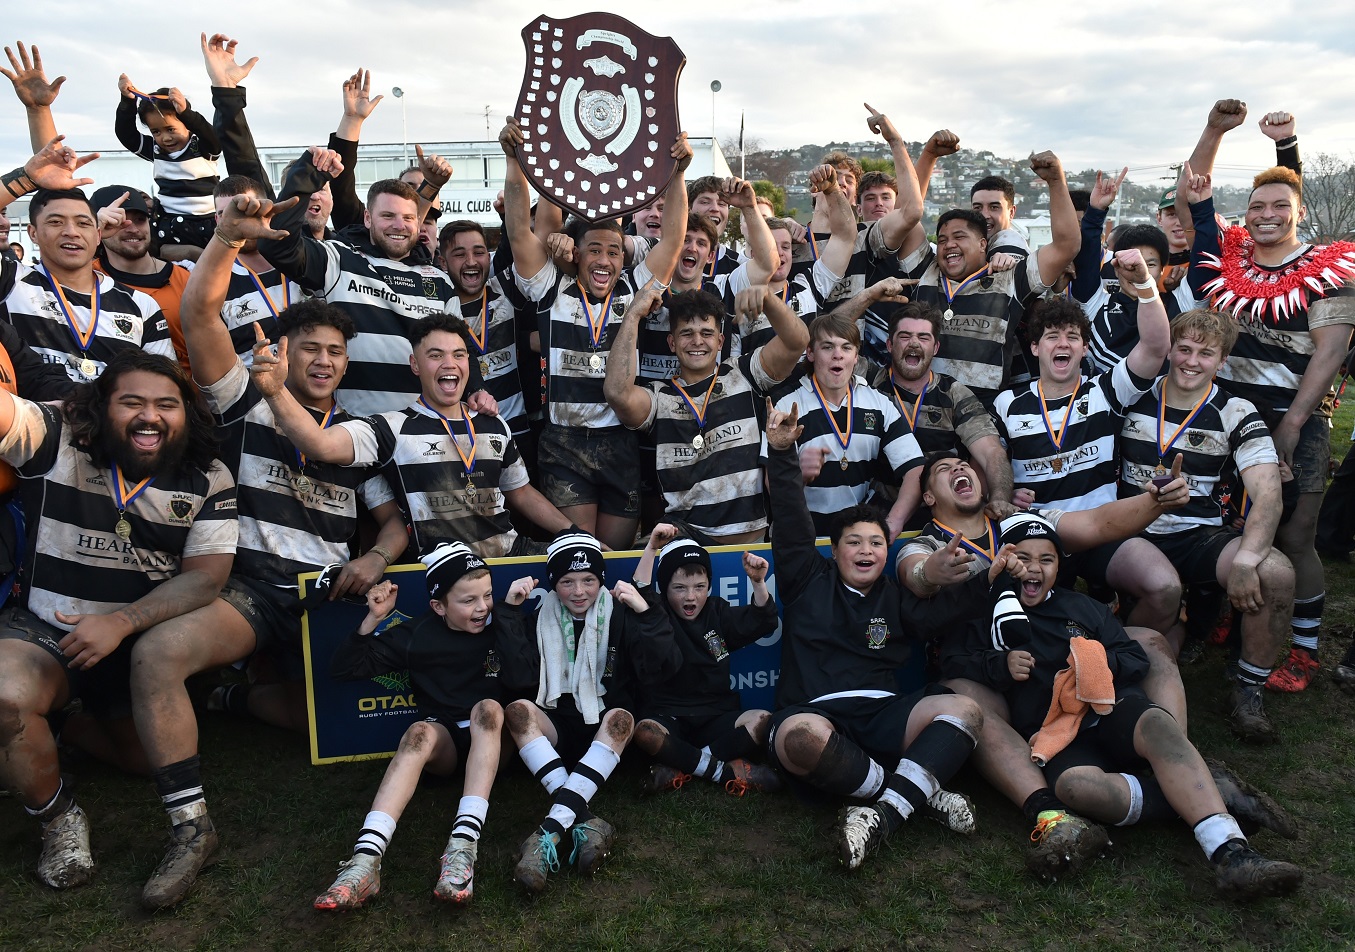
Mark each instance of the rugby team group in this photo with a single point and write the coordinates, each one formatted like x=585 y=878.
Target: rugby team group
x=1105 y=453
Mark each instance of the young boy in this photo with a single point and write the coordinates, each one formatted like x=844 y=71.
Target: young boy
x=183 y=149
x=692 y=724
x=454 y=656
x=590 y=646
x=1101 y=766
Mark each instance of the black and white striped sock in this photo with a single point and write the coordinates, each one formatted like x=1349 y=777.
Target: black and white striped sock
x=376 y=834
x=545 y=764
x=470 y=817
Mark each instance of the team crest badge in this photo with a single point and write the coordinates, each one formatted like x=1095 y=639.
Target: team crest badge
x=180 y=508
x=491 y=664
x=395 y=618
x=1083 y=405
x=1073 y=630
x=608 y=671
x=869 y=419
x=598 y=111
x=716 y=644
x=123 y=325
x=1194 y=437
x=430 y=288
x=877 y=633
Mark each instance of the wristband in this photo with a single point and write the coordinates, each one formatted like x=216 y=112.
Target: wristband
x=1288 y=142
x=236 y=245
x=920 y=575
x=18 y=176
x=425 y=184
x=384 y=552
x=1150 y=283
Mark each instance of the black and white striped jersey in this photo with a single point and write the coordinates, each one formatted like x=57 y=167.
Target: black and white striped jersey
x=288 y=524
x=75 y=561
x=246 y=304
x=880 y=446
x=1227 y=430
x=1271 y=356
x=950 y=417
x=716 y=486
x=384 y=298
x=496 y=350
x=1078 y=471
x=426 y=471
x=799 y=296
x=978 y=340
x=576 y=366
x=128 y=319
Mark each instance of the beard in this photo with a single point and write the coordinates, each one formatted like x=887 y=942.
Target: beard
x=389 y=249
x=904 y=372
x=137 y=464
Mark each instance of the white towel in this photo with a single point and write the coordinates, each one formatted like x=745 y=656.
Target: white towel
x=590 y=655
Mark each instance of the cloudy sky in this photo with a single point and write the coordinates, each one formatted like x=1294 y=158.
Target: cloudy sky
x=1101 y=84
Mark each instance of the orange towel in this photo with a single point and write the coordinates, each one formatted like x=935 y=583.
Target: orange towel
x=1085 y=683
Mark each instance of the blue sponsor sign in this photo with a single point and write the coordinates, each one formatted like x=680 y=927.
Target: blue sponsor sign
x=363 y=720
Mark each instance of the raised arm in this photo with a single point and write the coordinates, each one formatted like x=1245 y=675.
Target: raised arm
x=195 y=123
x=228 y=110
x=529 y=252
x=209 y=342
x=1226 y=114
x=837 y=252
x=907 y=213
x=124 y=123
x=1087 y=262
x=36 y=94
x=1066 y=235
x=662 y=258
x=298 y=255
x=1280 y=127
x=1155 y=336
x=631 y=402
x=53 y=167
x=942 y=143
x=780 y=354
x=763 y=256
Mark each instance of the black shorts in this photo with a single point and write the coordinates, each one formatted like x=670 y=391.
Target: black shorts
x=878 y=725
x=585 y=467
x=460 y=734
x=1312 y=455
x=105 y=690
x=171 y=229
x=699 y=730
x=649 y=465
x=275 y=615
x=573 y=735
x=1108 y=743
x=1195 y=552
x=1090 y=565
x=525 y=545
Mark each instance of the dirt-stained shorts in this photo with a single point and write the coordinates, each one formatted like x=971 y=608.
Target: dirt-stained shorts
x=584 y=467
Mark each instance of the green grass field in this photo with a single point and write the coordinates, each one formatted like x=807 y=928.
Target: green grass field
x=696 y=868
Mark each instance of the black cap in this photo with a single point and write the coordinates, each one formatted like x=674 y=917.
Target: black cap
x=136 y=202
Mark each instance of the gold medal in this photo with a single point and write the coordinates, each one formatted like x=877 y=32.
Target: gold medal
x=698 y=441
x=595 y=361
x=843 y=463
x=123 y=529
x=1159 y=470
x=949 y=314
x=303 y=483
x=484 y=367
x=89 y=368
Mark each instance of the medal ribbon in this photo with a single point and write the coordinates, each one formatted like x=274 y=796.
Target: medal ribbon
x=83 y=338
x=700 y=415
x=989 y=551
x=595 y=328
x=286 y=291
x=813 y=245
x=467 y=461
x=714 y=264
x=324 y=425
x=950 y=290
x=1164 y=448
x=122 y=496
x=149 y=97
x=484 y=321
x=903 y=407
x=1044 y=412
x=841 y=438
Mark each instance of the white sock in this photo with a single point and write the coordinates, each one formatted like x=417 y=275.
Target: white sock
x=1213 y=831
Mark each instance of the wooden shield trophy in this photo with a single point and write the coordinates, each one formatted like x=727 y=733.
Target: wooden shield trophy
x=598 y=111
